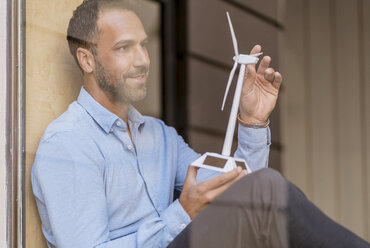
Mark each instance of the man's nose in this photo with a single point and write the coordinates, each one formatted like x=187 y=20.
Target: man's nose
x=141 y=57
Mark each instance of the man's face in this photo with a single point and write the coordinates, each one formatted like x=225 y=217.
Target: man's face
x=122 y=60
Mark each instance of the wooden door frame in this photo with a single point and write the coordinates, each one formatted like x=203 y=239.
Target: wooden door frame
x=15 y=126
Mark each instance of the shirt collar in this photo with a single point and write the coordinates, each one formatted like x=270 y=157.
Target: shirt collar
x=103 y=116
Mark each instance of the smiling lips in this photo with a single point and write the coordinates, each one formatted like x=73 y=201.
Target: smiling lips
x=139 y=78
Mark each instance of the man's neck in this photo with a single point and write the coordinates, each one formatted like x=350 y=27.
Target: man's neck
x=118 y=108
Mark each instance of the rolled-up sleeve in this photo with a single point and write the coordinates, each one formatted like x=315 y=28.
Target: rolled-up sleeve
x=254 y=146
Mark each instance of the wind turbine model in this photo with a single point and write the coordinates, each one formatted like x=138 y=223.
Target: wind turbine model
x=223 y=162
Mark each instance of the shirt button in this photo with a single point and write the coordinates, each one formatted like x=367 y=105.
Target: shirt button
x=111 y=129
x=129 y=147
x=183 y=226
x=159 y=209
x=118 y=123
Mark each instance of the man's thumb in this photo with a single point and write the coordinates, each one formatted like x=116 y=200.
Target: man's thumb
x=192 y=174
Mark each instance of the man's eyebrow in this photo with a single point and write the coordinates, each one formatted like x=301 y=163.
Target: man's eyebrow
x=124 y=42
x=129 y=42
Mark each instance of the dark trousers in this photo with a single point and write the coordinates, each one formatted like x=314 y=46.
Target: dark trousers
x=264 y=210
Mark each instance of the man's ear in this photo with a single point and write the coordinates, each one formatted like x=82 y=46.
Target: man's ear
x=86 y=60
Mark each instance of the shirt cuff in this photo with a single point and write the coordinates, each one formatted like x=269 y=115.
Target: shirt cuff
x=255 y=136
x=176 y=218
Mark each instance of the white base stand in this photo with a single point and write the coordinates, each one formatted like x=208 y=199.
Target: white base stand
x=218 y=162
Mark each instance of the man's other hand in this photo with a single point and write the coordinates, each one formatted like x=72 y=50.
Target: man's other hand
x=196 y=196
x=260 y=91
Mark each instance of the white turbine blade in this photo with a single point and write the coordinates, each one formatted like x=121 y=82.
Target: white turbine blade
x=256 y=54
x=231 y=76
x=235 y=43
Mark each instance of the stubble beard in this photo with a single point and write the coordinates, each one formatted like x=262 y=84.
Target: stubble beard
x=118 y=88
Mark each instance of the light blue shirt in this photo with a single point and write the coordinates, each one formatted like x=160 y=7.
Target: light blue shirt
x=94 y=187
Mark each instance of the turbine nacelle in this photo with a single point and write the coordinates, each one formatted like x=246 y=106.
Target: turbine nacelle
x=247 y=59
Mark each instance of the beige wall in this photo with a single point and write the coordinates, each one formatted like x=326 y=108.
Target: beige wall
x=325 y=59
x=53 y=81
x=3 y=106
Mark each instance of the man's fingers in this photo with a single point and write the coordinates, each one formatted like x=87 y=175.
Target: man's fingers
x=220 y=180
x=192 y=174
x=250 y=73
x=270 y=74
x=256 y=49
x=265 y=63
x=277 y=80
x=218 y=191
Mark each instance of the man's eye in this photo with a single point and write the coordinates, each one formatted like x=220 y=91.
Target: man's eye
x=123 y=48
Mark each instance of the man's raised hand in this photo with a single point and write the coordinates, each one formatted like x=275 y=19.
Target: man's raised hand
x=196 y=196
x=260 y=91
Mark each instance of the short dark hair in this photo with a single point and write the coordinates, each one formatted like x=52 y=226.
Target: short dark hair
x=83 y=29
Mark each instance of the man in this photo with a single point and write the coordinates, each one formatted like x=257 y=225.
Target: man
x=104 y=175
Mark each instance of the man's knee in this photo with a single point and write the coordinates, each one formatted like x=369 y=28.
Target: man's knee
x=265 y=178
x=267 y=187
